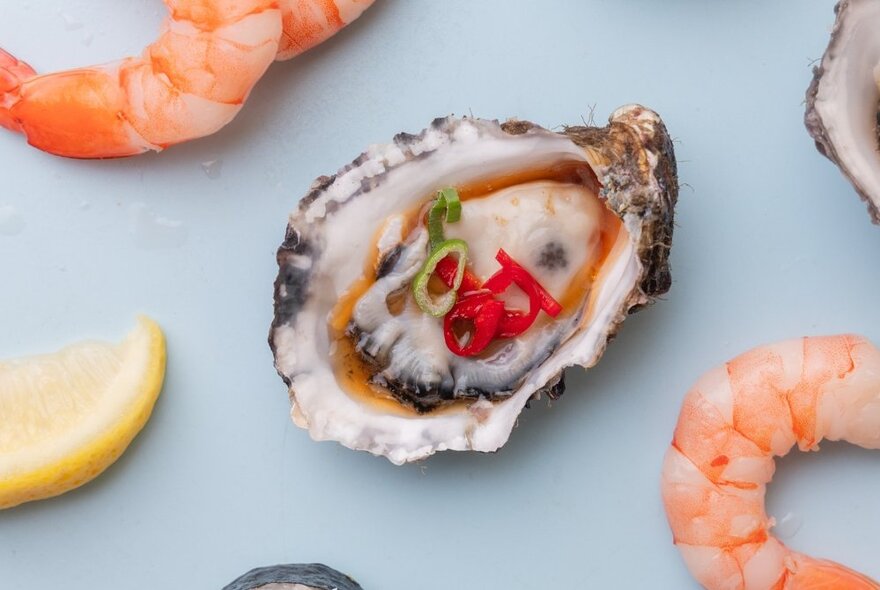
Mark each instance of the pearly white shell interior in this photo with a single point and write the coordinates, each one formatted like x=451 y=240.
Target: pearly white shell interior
x=848 y=96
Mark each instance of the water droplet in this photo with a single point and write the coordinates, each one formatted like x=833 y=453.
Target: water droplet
x=70 y=22
x=788 y=526
x=84 y=206
x=153 y=231
x=88 y=38
x=11 y=221
x=213 y=168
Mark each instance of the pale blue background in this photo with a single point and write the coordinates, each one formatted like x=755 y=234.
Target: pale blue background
x=770 y=243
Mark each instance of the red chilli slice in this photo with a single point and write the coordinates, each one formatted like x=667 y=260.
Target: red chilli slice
x=488 y=317
x=483 y=312
x=523 y=277
x=446 y=269
x=515 y=322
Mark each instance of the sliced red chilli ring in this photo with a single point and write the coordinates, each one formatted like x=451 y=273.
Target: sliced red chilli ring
x=515 y=321
x=483 y=312
x=522 y=278
x=446 y=270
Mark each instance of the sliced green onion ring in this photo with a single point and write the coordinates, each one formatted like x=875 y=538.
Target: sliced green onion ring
x=440 y=306
x=448 y=206
x=453 y=204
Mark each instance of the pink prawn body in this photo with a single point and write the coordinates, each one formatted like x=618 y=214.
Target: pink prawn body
x=189 y=83
x=734 y=421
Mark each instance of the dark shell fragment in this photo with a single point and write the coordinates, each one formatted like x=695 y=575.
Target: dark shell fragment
x=312 y=575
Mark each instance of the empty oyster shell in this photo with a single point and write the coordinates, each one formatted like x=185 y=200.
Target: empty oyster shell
x=842 y=101
x=588 y=211
x=313 y=576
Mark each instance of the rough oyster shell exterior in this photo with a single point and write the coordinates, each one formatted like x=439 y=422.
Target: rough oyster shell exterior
x=313 y=576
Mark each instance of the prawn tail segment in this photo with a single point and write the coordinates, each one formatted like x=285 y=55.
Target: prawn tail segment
x=76 y=113
x=13 y=74
x=818 y=574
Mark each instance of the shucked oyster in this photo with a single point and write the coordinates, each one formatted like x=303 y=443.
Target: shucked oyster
x=842 y=101
x=587 y=212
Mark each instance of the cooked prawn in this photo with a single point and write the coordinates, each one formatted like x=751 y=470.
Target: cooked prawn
x=733 y=422
x=189 y=83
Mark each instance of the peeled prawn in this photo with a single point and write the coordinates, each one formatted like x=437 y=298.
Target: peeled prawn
x=189 y=83
x=733 y=423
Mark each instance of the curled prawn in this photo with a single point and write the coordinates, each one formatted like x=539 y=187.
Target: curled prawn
x=733 y=423
x=189 y=83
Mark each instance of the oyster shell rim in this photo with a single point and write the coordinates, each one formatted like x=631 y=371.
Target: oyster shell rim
x=815 y=124
x=634 y=159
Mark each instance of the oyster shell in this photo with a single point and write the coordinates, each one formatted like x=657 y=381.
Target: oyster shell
x=313 y=576
x=335 y=329
x=842 y=100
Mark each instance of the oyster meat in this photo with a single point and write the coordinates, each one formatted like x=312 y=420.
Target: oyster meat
x=842 y=100
x=313 y=576
x=587 y=211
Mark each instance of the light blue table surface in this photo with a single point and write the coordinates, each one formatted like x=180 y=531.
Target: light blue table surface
x=770 y=243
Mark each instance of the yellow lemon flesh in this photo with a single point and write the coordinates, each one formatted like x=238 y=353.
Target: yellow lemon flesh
x=66 y=417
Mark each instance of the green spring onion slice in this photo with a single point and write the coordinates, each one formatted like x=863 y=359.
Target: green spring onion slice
x=448 y=206
x=440 y=306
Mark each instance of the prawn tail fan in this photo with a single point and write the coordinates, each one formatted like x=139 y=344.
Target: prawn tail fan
x=12 y=74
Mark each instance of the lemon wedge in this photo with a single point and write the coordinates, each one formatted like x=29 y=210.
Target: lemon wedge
x=66 y=417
